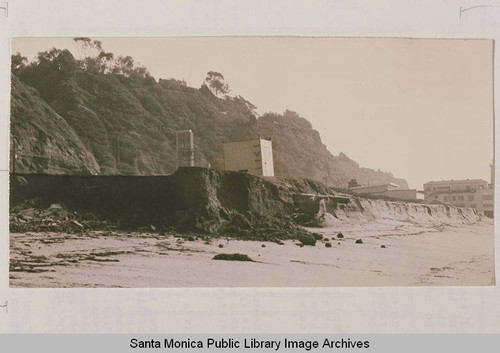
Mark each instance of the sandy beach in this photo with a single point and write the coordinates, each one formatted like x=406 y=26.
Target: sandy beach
x=391 y=254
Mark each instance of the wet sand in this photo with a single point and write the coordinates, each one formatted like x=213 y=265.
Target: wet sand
x=414 y=255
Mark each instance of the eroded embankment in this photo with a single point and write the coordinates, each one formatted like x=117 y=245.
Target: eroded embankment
x=191 y=200
x=208 y=201
x=418 y=213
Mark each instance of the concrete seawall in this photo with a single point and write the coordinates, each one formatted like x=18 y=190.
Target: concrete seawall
x=194 y=198
x=206 y=199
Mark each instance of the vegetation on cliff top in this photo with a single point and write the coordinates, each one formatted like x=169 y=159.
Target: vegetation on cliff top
x=107 y=115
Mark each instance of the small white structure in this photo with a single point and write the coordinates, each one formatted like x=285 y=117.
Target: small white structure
x=250 y=156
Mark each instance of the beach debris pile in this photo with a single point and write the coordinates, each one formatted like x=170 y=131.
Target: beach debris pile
x=54 y=218
x=233 y=257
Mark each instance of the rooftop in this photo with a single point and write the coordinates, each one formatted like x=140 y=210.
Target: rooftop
x=373 y=186
x=457 y=181
x=247 y=140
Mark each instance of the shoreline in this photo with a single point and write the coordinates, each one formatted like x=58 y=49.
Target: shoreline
x=414 y=255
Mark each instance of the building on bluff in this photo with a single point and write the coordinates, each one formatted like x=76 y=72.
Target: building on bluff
x=249 y=156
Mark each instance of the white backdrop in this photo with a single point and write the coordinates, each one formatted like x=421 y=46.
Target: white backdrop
x=218 y=310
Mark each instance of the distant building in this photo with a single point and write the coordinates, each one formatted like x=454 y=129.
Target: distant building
x=432 y=189
x=250 y=156
x=185 y=148
x=374 y=189
x=389 y=190
x=471 y=193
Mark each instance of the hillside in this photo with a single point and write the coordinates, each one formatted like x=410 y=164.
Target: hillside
x=44 y=140
x=94 y=116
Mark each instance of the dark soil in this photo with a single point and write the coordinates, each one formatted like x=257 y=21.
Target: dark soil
x=233 y=257
x=195 y=202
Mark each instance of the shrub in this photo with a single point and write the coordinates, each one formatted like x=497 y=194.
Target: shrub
x=317 y=236
x=328 y=245
x=307 y=240
x=359 y=241
x=340 y=235
x=232 y=257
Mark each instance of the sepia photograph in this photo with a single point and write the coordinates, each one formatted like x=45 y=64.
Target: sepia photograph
x=173 y=162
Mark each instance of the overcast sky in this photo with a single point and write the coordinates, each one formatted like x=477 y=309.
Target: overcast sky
x=421 y=109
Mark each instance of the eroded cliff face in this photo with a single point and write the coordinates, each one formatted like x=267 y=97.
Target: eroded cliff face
x=42 y=140
x=365 y=210
x=222 y=203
